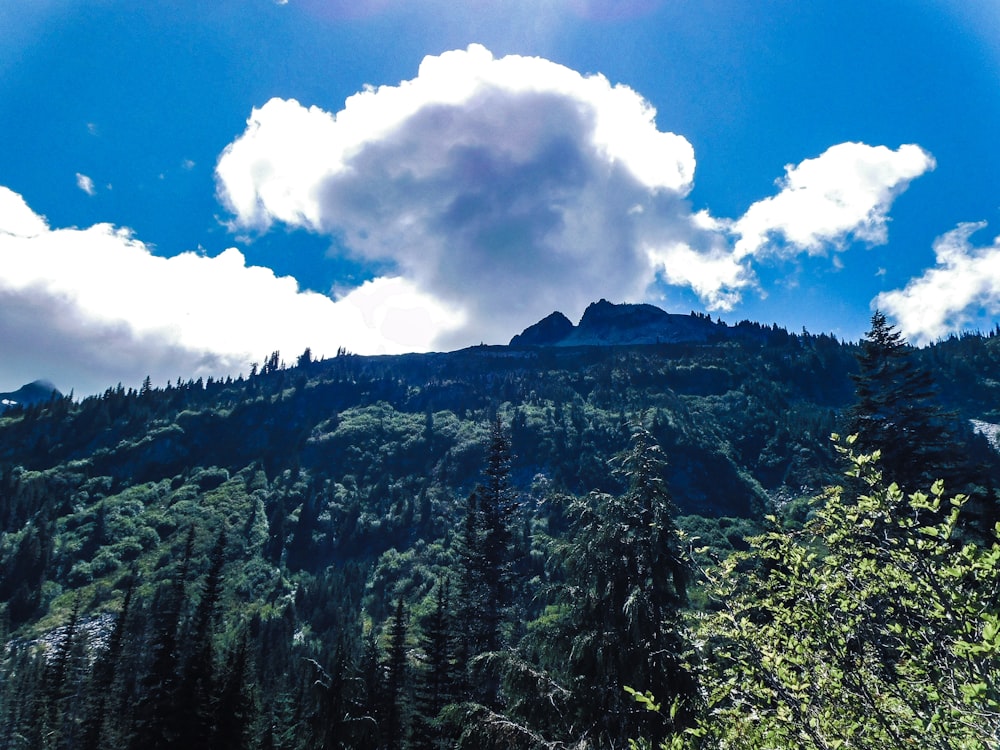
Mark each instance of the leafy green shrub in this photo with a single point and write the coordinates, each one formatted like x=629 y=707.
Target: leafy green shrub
x=871 y=627
x=127 y=549
x=80 y=574
x=105 y=561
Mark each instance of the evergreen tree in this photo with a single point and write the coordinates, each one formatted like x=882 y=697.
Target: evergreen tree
x=497 y=508
x=234 y=712
x=485 y=551
x=197 y=685
x=103 y=676
x=301 y=550
x=26 y=569
x=62 y=680
x=395 y=711
x=305 y=359
x=435 y=684
x=336 y=717
x=158 y=708
x=471 y=582
x=621 y=626
x=896 y=413
x=281 y=729
x=371 y=674
x=22 y=699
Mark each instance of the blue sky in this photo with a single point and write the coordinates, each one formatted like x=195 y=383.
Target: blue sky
x=186 y=187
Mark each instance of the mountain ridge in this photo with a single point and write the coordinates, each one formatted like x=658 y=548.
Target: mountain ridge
x=608 y=324
x=37 y=391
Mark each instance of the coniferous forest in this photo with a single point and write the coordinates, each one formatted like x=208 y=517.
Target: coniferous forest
x=757 y=540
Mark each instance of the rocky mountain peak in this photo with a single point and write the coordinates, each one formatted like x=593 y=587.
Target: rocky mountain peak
x=607 y=324
x=31 y=393
x=548 y=331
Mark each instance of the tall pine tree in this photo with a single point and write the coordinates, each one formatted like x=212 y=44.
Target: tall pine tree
x=896 y=412
x=158 y=708
x=496 y=509
x=435 y=683
x=394 y=729
x=485 y=551
x=234 y=708
x=197 y=688
x=626 y=583
x=62 y=682
x=103 y=674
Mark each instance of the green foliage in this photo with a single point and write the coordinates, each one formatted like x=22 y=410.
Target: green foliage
x=619 y=619
x=895 y=412
x=341 y=487
x=436 y=676
x=487 y=550
x=871 y=627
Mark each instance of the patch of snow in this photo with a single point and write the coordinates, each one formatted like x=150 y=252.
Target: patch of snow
x=989 y=430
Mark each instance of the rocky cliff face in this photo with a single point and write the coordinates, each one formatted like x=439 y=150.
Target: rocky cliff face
x=546 y=332
x=607 y=324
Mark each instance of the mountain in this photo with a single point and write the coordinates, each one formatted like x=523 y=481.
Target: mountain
x=35 y=392
x=546 y=332
x=289 y=527
x=607 y=324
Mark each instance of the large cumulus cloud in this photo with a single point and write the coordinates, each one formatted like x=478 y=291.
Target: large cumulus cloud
x=88 y=308
x=507 y=187
x=503 y=187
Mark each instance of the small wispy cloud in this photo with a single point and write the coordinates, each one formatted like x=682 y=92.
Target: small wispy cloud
x=85 y=183
x=963 y=288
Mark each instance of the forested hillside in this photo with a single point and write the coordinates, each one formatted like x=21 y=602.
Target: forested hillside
x=479 y=548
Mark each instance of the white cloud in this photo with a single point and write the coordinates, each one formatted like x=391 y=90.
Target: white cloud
x=503 y=187
x=507 y=187
x=511 y=107
x=394 y=310
x=963 y=288
x=85 y=183
x=88 y=308
x=490 y=192
x=715 y=276
x=846 y=192
x=841 y=196
x=16 y=218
